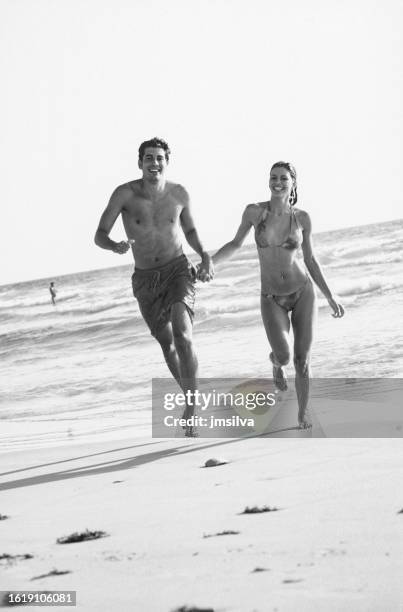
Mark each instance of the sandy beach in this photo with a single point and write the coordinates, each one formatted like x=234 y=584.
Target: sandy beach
x=334 y=542
x=96 y=497
x=76 y=450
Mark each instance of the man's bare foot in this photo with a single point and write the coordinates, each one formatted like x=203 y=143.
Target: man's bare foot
x=188 y=413
x=191 y=432
x=189 y=427
x=304 y=421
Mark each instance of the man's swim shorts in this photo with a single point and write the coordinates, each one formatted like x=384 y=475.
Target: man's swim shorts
x=157 y=289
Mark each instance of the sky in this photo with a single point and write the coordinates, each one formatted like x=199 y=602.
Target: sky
x=232 y=85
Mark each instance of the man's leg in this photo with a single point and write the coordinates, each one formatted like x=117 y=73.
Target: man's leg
x=166 y=341
x=182 y=335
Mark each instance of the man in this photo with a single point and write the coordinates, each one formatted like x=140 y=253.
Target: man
x=52 y=291
x=153 y=211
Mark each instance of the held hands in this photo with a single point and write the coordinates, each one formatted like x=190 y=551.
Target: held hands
x=205 y=269
x=122 y=247
x=338 y=310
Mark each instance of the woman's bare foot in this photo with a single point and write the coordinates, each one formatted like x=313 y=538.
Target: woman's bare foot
x=279 y=377
x=304 y=420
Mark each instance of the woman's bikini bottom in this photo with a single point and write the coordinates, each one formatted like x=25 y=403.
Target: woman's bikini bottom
x=288 y=302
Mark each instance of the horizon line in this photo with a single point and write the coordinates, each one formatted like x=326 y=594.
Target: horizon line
x=91 y=270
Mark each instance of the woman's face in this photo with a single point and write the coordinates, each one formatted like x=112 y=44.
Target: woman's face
x=281 y=182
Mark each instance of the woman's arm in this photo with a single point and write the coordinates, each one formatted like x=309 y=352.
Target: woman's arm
x=313 y=266
x=233 y=245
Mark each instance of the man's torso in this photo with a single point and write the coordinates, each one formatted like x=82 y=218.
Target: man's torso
x=154 y=223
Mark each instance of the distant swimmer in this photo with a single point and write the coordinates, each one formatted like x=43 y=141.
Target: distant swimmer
x=287 y=292
x=153 y=212
x=53 y=292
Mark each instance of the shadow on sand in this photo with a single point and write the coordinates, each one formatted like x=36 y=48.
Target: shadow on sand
x=113 y=465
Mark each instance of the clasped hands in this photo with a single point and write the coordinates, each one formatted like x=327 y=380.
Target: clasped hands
x=205 y=269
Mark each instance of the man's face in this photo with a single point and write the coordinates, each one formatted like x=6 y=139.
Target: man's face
x=153 y=164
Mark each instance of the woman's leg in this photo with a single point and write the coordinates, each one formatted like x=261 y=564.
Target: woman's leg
x=303 y=319
x=277 y=325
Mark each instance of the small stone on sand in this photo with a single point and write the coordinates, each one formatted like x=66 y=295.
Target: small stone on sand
x=213 y=462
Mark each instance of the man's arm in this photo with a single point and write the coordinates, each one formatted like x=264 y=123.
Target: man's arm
x=233 y=245
x=206 y=269
x=107 y=221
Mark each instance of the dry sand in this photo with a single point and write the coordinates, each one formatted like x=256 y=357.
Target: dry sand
x=335 y=542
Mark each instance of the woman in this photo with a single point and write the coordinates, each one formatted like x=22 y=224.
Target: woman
x=280 y=230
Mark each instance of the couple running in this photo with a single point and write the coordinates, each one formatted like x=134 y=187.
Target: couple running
x=153 y=211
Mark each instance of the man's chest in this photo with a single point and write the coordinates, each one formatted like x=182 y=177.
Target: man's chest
x=146 y=214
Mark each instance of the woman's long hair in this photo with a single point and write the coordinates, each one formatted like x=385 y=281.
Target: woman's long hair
x=293 y=173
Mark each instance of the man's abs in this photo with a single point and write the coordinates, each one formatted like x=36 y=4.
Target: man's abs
x=145 y=259
x=155 y=229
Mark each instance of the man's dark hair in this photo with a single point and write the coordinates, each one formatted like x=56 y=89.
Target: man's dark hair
x=154 y=142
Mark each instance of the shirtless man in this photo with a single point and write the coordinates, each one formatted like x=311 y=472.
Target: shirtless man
x=153 y=211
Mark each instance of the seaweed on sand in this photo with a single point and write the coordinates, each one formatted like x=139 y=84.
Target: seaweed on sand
x=11 y=558
x=257 y=509
x=221 y=533
x=192 y=609
x=54 y=572
x=81 y=537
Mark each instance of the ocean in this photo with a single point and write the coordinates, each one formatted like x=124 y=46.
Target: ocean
x=82 y=369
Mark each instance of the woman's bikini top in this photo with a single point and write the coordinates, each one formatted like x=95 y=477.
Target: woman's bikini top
x=292 y=242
